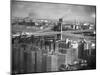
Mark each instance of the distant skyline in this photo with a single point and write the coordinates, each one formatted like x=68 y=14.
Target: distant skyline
x=42 y=10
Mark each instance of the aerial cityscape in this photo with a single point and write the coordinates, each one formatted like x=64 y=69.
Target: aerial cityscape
x=52 y=37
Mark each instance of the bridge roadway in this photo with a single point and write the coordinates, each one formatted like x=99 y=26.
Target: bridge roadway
x=47 y=31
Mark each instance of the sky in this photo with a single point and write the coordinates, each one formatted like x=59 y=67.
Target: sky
x=42 y=10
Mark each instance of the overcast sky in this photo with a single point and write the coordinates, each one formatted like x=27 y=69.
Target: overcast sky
x=53 y=11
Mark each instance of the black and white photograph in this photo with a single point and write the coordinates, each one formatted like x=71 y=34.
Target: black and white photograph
x=52 y=37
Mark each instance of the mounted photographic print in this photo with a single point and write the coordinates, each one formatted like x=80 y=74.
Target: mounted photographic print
x=52 y=37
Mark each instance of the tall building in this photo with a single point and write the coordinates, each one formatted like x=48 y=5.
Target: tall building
x=52 y=63
x=44 y=63
x=81 y=50
x=61 y=59
x=38 y=61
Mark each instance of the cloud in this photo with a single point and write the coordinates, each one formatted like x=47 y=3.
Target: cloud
x=52 y=10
